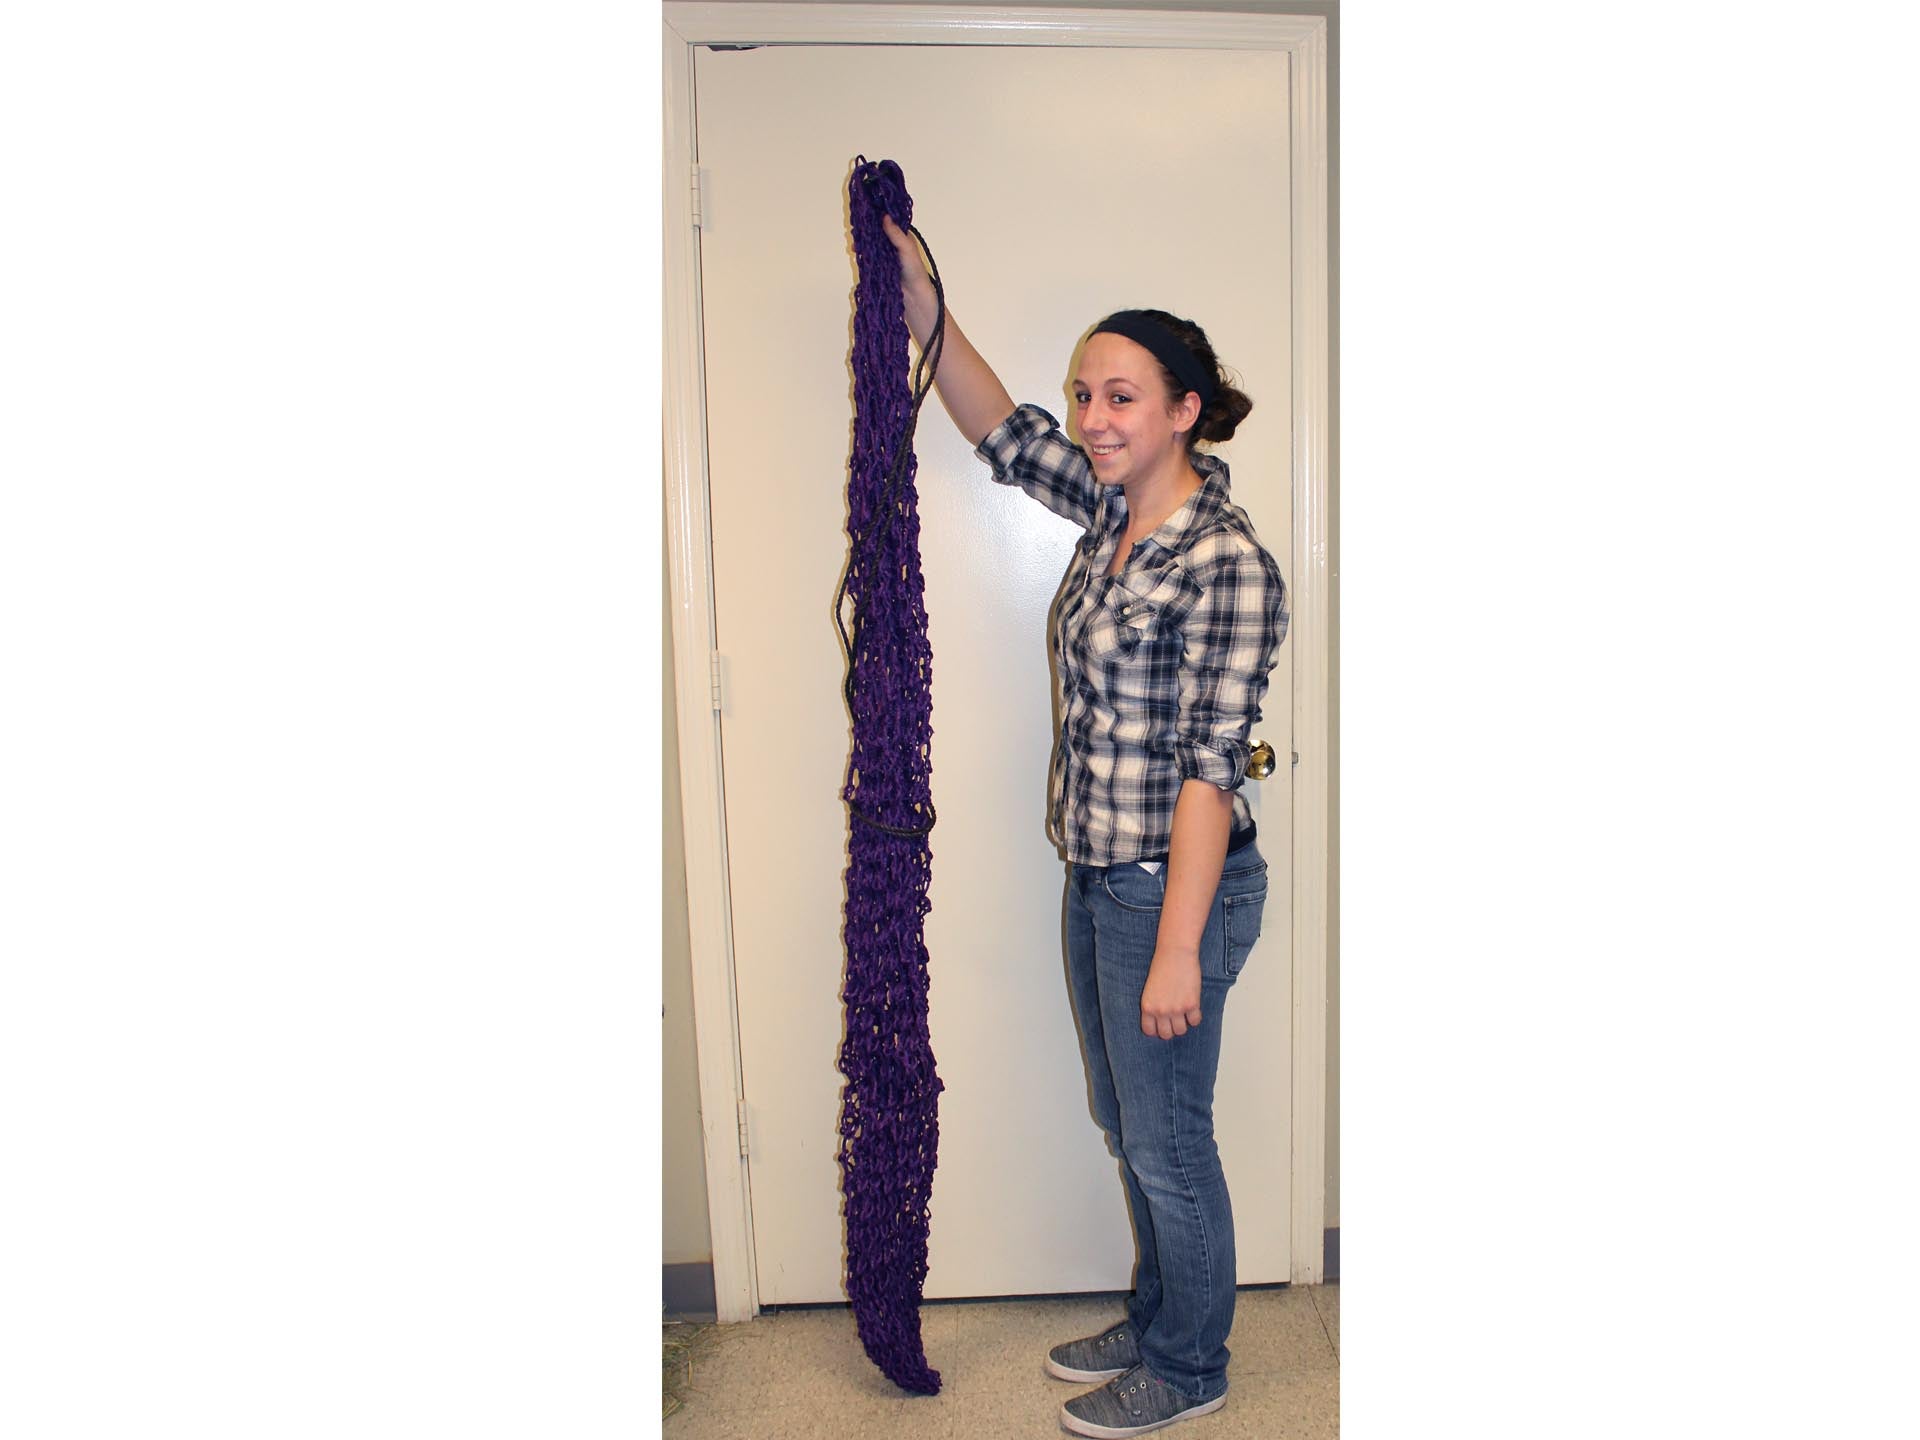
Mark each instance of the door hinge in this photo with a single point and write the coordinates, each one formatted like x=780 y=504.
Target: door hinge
x=1296 y=758
x=743 y=1127
x=699 y=189
x=715 y=675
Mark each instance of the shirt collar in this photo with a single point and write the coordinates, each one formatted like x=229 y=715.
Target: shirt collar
x=1197 y=511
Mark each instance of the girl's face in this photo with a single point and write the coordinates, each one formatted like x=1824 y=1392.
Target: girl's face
x=1121 y=403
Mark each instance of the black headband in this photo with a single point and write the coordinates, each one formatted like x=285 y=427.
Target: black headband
x=1164 y=346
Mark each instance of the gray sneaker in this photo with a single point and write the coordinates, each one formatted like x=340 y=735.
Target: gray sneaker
x=1098 y=1357
x=1132 y=1405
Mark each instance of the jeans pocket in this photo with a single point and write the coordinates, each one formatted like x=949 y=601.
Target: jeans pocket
x=1240 y=921
x=1132 y=888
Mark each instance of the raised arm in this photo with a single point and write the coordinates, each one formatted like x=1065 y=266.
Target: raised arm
x=972 y=393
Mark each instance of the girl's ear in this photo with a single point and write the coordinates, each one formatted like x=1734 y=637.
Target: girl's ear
x=1187 y=414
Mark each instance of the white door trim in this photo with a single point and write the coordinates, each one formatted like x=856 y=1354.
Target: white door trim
x=716 y=1028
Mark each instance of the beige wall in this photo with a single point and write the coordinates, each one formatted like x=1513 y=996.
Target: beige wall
x=686 y=1235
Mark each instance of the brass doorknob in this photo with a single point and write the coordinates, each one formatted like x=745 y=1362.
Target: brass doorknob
x=1260 y=761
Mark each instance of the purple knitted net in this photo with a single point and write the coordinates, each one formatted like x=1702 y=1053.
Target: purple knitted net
x=889 y=1106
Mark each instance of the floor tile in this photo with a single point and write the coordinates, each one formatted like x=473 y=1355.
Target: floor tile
x=1272 y=1407
x=1279 y=1331
x=985 y=1417
x=1259 y=1407
x=803 y=1373
x=1326 y=1299
x=919 y=1418
x=1002 y=1345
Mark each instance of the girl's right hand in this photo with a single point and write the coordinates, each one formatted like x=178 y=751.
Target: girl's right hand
x=973 y=394
x=915 y=282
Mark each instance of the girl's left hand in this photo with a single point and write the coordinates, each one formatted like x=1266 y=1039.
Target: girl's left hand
x=1170 y=1004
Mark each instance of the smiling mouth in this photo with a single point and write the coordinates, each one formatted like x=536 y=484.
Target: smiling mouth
x=1104 y=449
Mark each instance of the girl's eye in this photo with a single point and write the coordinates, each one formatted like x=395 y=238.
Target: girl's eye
x=1122 y=399
x=1081 y=397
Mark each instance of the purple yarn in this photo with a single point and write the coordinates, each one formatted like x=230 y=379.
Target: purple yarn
x=889 y=1105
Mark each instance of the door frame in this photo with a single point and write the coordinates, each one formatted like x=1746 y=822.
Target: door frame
x=689 y=543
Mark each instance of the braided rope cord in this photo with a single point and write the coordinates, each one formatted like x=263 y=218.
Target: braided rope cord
x=889 y=1104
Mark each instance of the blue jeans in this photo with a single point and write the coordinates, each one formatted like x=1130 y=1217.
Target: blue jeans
x=1154 y=1099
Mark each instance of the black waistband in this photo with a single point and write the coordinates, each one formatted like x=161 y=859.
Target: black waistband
x=1238 y=840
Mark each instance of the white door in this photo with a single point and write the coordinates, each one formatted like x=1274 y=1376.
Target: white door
x=1053 y=188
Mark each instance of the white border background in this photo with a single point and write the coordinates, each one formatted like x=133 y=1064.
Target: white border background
x=327 y=1052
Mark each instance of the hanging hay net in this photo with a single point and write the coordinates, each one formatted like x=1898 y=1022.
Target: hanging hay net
x=889 y=1104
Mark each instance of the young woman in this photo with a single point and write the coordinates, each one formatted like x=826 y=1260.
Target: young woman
x=1171 y=619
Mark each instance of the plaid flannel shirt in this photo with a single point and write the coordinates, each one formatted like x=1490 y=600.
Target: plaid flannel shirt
x=1162 y=667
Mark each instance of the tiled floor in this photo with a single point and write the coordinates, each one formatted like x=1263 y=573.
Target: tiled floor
x=798 y=1375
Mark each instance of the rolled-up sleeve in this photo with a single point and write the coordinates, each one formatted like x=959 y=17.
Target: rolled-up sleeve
x=1230 y=643
x=1029 y=449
